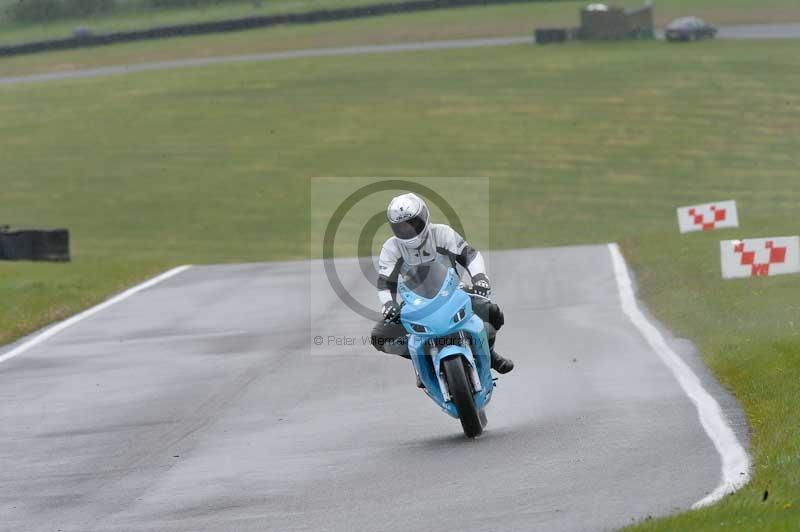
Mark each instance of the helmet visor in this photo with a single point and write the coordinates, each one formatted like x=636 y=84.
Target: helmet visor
x=411 y=228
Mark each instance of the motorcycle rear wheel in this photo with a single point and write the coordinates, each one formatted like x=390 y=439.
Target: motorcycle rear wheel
x=461 y=394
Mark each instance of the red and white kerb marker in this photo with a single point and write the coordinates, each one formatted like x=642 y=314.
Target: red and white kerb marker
x=708 y=216
x=758 y=257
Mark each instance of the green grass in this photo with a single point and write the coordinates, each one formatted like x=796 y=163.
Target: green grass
x=514 y=19
x=492 y=21
x=583 y=144
x=133 y=15
x=749 y=334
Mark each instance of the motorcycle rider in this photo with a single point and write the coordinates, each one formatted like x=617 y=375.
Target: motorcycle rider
x=417 y=241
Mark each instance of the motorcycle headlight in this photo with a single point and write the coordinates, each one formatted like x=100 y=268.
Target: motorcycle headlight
x=416 y=327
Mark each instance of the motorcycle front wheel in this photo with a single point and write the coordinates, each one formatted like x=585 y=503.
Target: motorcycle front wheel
x=461 y=393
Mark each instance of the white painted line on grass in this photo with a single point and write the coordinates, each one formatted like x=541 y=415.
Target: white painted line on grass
x=57 y=328
x=735 y=460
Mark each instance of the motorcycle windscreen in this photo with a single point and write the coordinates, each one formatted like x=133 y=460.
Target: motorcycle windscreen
x=425 y=279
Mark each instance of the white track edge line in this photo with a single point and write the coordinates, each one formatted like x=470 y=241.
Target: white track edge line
x=57 y=328
x=735 y=460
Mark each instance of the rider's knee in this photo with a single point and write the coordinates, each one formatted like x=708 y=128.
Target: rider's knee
x=378 y=343
x=496 y=316
x=383 y=335
x=490 y=313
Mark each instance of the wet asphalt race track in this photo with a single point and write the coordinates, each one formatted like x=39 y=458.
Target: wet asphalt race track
x=756 y=31
x=202 y=404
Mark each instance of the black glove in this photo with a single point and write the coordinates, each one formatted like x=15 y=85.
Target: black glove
x=391 y=311
x=481 y=286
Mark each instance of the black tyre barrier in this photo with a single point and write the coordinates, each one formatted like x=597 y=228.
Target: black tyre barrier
x=323 y=15
x=34 y=244
x=550 y=35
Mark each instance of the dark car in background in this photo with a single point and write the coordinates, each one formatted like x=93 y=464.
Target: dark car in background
x=689 y=29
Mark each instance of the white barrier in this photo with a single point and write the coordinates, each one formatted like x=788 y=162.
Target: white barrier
x=708 y=216
x=757 y=257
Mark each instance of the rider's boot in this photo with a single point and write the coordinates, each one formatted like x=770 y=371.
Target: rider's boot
x=500 y=364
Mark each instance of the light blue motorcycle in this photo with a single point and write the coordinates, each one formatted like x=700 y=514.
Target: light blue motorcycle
x=447 y=342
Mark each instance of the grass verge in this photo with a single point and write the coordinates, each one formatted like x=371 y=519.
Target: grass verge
x=134 y=15
x=583 y=144
x=490 y=21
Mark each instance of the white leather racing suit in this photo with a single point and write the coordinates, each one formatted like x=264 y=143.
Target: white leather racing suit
x=443 y=240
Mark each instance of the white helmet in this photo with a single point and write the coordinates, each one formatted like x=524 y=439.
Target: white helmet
x=409 y=219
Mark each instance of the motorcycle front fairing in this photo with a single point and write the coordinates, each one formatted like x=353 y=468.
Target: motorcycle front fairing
x=442 y=326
